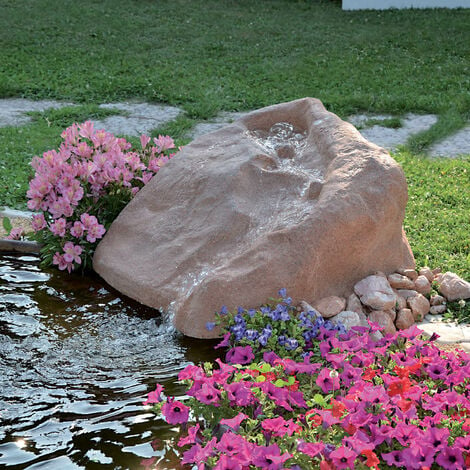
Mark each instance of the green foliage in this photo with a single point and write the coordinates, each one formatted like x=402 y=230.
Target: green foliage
x=7 y=225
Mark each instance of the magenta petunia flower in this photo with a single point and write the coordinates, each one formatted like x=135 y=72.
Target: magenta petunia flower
x=154 y=397
x=418 y=456
x=227 y=462
x=191 y=438
x=394 y=458
x=312 y=449
x=208 y=394
x=240 y=394
x=234 y=444
x=234 y=422
x=328 y=380
x=269 y=458
x=450 y=458
x=240 y=355
x=175 y=412
x=225 y=341
x=343 y=457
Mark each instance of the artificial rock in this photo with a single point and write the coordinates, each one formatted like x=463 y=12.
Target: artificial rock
x=288 y=196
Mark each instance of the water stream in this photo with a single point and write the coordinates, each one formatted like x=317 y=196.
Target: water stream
x=76 y=362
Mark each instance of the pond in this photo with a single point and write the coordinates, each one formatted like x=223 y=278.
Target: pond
x=76 y=362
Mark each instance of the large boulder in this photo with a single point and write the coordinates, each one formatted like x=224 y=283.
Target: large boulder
x=288 y=196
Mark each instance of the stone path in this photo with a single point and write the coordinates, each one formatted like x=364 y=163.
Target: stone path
x=449 y=332
x=390 y=138
x=13 y=110
x=142 y=118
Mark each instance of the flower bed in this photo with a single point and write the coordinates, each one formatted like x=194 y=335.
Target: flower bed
x=336 y=400
x=80 y=189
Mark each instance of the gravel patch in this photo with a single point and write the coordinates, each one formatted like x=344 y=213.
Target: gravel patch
x=13 y=110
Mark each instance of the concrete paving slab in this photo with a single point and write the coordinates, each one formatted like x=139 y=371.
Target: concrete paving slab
x=449 y=332
x=13 y=110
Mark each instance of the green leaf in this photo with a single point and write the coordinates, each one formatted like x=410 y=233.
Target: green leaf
x=6 y=222
x=320 y=400
x=280 y=383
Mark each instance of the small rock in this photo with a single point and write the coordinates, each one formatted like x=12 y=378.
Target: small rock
x=405 y=319
x=306 y=307
x=436 y=271
x=419 y=305
x=384 y=320
x=363 y=318
x=398 y=281
x=379 y=273
x=437 y=309
x=347 y=318
x=422 y=285
x=354 y=304
x=409 y=273
x=375 y=291
x=453 y=287
x=391 y=313
x=330 y=306
x=437 y=300
x=433 y=318
x=427 y=273
x=400 y=302
x=406 y=293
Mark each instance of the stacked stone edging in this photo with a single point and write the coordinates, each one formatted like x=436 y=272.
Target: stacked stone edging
x=396 y=301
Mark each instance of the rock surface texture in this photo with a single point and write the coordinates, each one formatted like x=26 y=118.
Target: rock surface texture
x=288 y=196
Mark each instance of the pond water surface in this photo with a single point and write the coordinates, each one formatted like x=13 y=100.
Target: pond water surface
x=76 y=362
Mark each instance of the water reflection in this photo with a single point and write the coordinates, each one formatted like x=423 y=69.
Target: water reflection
x=76 y=362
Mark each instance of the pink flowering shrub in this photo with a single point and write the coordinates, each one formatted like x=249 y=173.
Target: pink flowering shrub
x=81 y=188
x=399 y=402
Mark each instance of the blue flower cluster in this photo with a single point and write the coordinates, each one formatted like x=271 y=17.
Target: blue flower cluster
x=278 y=326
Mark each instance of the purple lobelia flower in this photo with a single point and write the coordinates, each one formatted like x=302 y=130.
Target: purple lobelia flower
x=291 y=344
x=251 y=335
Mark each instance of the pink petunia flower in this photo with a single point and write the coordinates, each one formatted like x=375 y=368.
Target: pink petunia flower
x=175 y=412
x=343 y=457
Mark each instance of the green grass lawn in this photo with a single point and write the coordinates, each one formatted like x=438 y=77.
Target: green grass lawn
x=233 y=55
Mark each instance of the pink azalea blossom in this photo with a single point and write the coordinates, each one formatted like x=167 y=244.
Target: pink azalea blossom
x=15 y=233
x=72 y=253
x=58 y=227
x=38 y=222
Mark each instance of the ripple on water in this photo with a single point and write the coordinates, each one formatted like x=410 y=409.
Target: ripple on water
x=76 y=363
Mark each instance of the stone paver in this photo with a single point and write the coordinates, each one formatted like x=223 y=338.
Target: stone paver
x=215 y=124
x=449 y=332
x=141 y=118
x=390 y=138
x=13 y=110
x=453 y=146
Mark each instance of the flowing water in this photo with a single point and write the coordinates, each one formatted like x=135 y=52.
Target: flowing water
x=76 y=362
